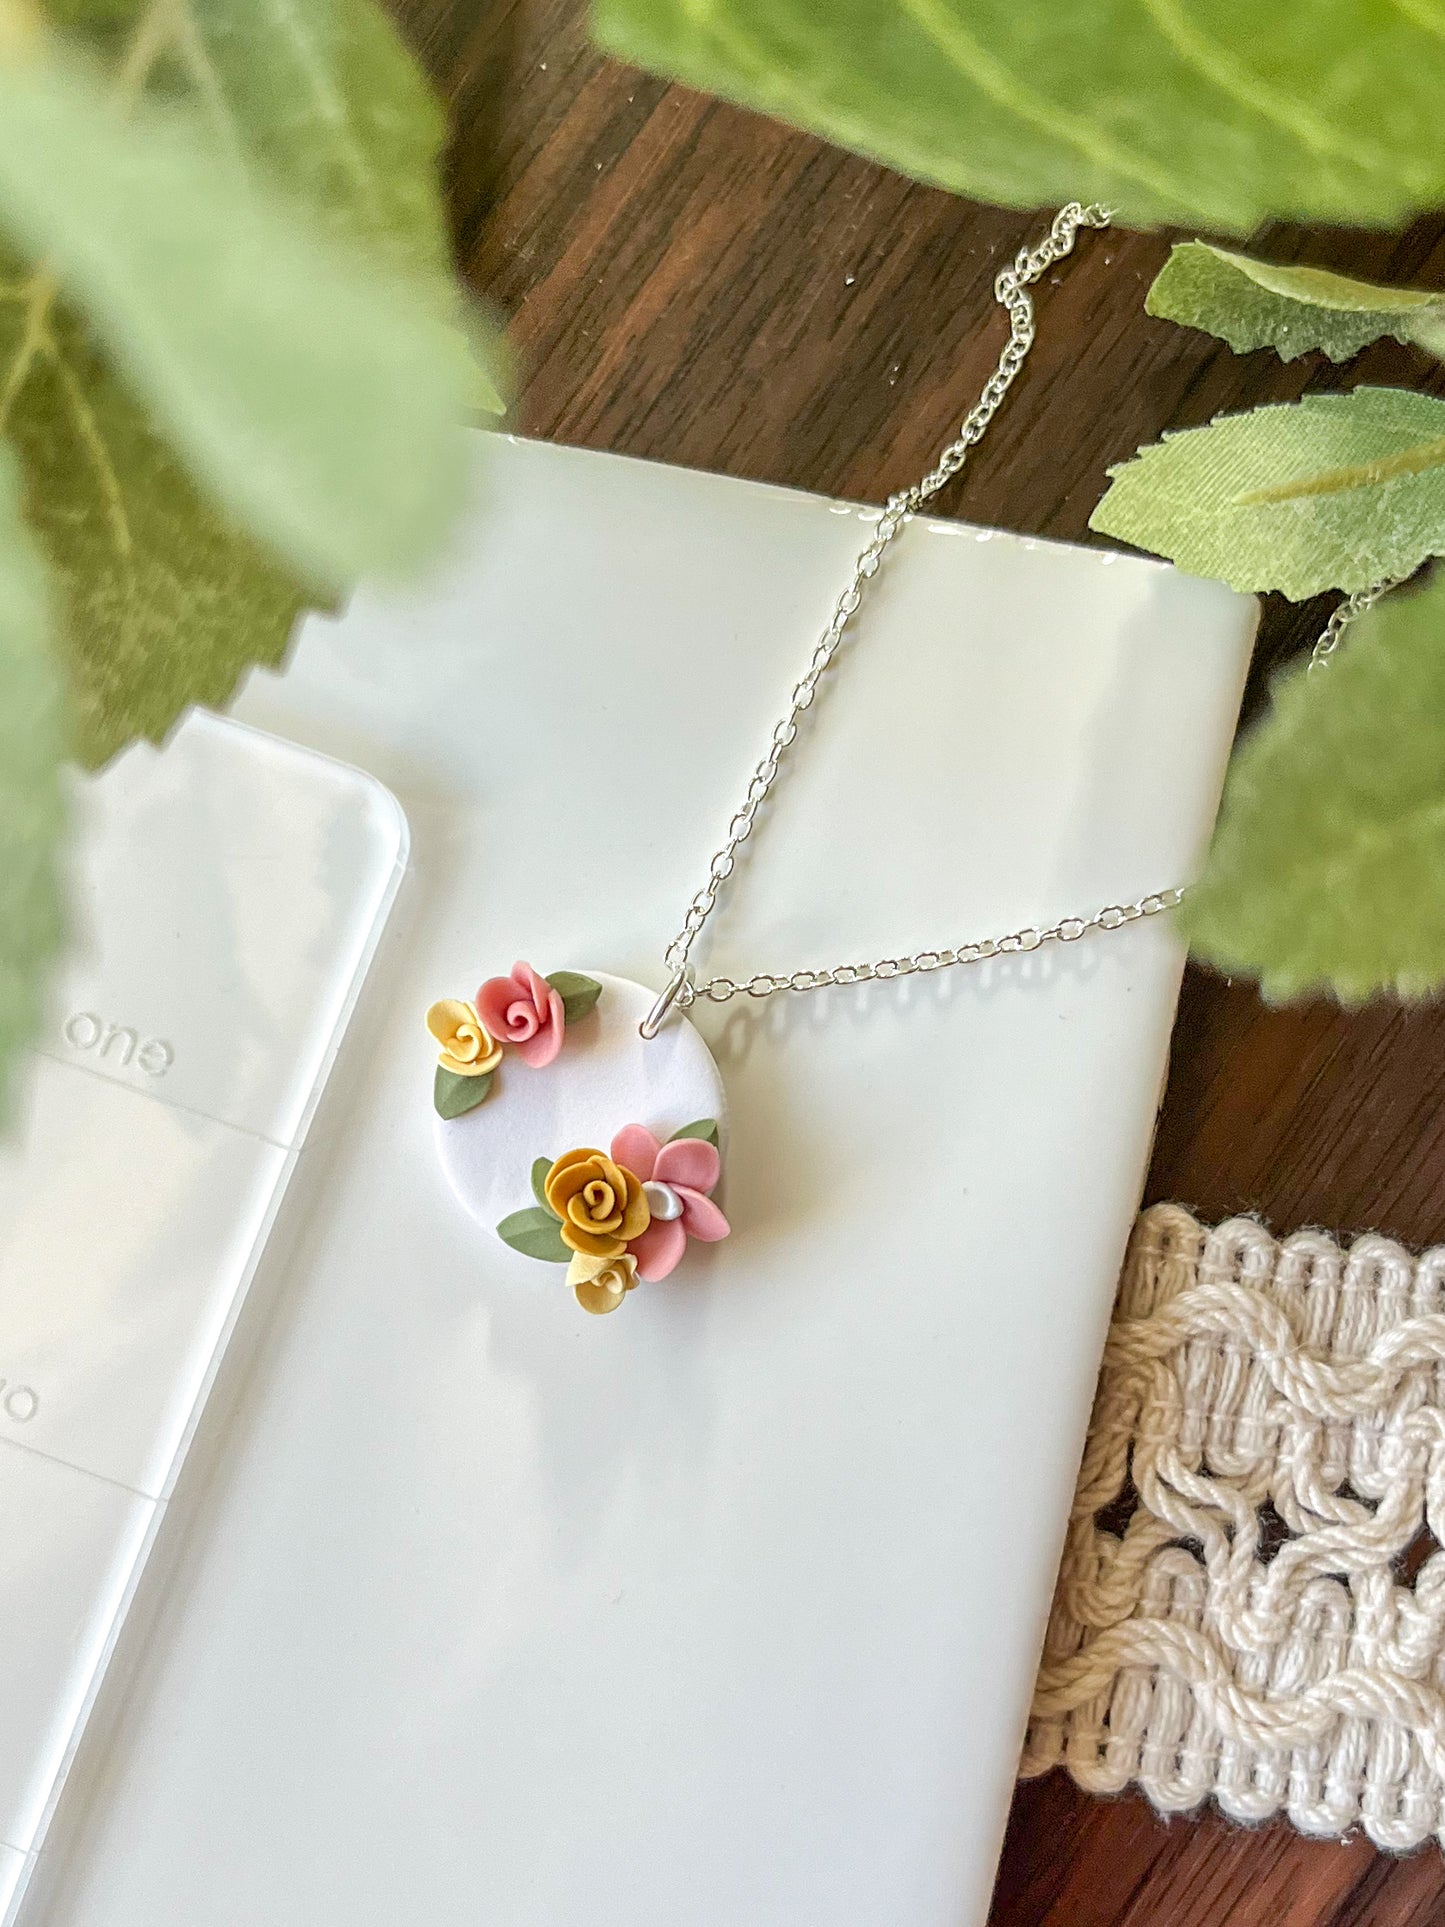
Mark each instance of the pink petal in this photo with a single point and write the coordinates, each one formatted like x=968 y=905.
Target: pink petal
x=494 y=999
x=658 y=1248
x=700 y=1218
x=689 y=1161
x=544 y=1043
x=636 y=1149
x=533 y=986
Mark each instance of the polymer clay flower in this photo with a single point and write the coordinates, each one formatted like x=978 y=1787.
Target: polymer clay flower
x=599 y=1202
x=468 y=1048
x=599 y=1284
x=677 y=1179
x=525 y=1011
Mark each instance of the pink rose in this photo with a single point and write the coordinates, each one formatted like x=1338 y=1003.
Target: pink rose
x=524 y=1011
x=676 y=1180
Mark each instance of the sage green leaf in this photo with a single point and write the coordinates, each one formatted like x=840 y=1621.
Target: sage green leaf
x=539 y=1178
x=324 y=98
x=454 y=1096
x=1219 y=111
x=534 y=1233
x=315 y=393
x=578 y=993
x=705 y=1128
x=164 y=599
x=1328 y=867
x=318 y=97
x=1332 y=492
x=1255 y=304
x=31 y=816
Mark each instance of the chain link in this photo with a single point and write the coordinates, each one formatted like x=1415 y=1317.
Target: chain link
x=1011 y=292
x=1353 y=606
x=1067 y=930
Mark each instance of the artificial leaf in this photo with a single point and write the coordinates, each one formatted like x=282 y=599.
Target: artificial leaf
x=1327 y=866
x=1332 y=492
x=31 y=742
x=539 y=1179
x=314 y=393
x=578 y=993
x=1218 y=111
x=325 y=97
x=166 y=600
x=534 y=1233
x=454 y=1096
x=1255 y=304
x=705 y=1128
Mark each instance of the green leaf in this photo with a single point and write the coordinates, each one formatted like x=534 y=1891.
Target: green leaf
x=705 y=1128
x=1332 y=492
x=324 y=98
x=165 y=598
x=578 y=993
x=1208 y=110
x=163 y=601
x=31 y=816
x=1328 y=867
x=454 y=1096
x=539 y=1178
x=315 y=393
x=1254 y=304
x=534 y=1233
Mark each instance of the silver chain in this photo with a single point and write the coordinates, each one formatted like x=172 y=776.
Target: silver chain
x=1010 y=291
x=1353 y=605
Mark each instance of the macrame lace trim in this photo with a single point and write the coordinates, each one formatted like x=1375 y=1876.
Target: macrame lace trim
x=1251 y=1605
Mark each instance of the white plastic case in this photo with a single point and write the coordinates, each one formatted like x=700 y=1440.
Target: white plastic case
x=722 y=1611
x=231 y=891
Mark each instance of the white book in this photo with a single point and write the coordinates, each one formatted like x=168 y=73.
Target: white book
x=724 y=1610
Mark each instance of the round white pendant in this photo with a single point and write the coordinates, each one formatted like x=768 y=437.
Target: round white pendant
x=605 y=1077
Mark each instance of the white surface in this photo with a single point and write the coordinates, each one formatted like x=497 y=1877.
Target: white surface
x=126 y=1228
x=604 y=1077
x=723 y=1611
x=234 y=889
x=14 y=1870
x=227 y=904
x=67 y=1559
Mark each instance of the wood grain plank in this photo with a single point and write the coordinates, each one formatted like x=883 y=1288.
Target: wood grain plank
x=690 y=283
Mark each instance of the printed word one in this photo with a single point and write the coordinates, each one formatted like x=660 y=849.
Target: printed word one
x=19 y=1402
x=95 y=1037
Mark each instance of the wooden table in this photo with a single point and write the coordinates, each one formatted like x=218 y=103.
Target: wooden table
x=690 y=283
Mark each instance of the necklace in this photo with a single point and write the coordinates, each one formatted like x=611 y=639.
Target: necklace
x=604 y=1062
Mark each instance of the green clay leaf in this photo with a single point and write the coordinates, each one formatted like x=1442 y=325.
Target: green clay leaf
x=539 y=1178
x=164 y=598
x=454 y=1096
x=1327 y=864
x=31 y=814
x=1332 y=492
x=705 y=1128
x=534 y=1233
x=1255 y=304
x=1207 y=110
x=578 y=993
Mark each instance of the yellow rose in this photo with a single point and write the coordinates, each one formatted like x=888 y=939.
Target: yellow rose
x=600 y=1203
x=468 y=1047
x=601 y=1283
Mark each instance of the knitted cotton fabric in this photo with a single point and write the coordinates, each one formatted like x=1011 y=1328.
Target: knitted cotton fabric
x=1251 y=1605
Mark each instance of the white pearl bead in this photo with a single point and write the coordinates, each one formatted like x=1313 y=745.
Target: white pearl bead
x=662 y=1201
